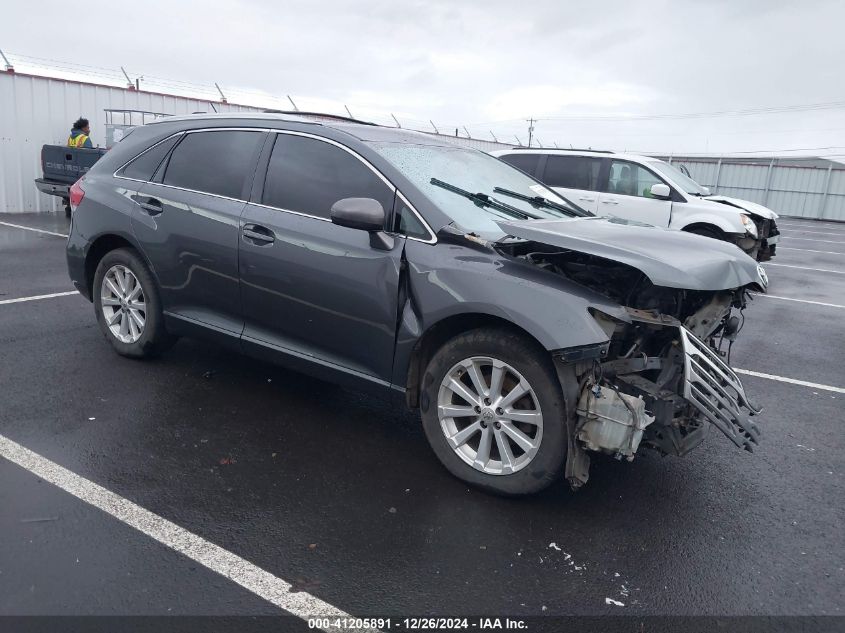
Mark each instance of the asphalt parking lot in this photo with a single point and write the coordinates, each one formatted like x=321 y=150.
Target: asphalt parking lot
x=337 y=494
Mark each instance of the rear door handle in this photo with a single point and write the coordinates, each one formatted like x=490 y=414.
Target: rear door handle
x=609 y=202
x=257 y=234
x=587 y=199
x=151 y=206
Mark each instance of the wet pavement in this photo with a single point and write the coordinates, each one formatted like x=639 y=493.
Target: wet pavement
x=338 y=493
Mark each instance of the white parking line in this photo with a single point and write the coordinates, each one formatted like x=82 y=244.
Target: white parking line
x=814 y=225
x=815 y=232
x=807 y=250
x=791 y=381
x=249 y=576
x=38 y=297
x=29 y=228
x=816 y=303
x=811 y=239
x=818 y=270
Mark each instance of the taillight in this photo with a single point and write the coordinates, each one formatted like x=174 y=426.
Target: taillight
x=76 y=194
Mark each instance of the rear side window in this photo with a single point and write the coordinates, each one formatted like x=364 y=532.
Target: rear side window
x=214 y=162
x=572 y=172
x=309 y=176
x=143 y=167
x=524 y=162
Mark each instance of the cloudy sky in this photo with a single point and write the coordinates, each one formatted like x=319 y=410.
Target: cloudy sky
x=600 y=74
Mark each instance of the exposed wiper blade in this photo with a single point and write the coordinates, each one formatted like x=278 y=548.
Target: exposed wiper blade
x=483 y=200
x=540 y=201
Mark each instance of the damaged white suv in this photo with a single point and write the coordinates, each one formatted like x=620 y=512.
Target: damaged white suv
x=649 y=190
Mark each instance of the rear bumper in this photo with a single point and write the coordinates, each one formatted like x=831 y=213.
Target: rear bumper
x=53 y=188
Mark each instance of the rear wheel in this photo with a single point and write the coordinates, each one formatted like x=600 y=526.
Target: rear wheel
x=128 y=307
x=493 y=411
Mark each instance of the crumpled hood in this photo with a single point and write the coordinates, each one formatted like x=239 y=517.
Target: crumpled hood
x=751 y=207
x=669 y=258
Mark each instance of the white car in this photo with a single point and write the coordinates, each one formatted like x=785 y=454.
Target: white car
x=648 y=190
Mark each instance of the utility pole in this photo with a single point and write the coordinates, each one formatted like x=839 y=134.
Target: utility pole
x=531 y=123
x=130 y=85
x=9 y=67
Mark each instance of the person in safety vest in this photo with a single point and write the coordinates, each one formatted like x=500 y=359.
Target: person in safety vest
x=79 y=135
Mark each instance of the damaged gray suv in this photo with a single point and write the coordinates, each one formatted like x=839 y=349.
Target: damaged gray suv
x=527 y=332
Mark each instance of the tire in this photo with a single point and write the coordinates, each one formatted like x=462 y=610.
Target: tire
x=137 y=340
x=525 y=360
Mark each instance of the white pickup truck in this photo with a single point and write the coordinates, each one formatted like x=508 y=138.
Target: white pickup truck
x=649 y=190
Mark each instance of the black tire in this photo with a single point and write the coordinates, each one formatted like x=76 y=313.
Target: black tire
x=154 y=338
x=535 y=365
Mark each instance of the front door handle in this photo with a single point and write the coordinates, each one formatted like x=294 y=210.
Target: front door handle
x=587 y=199
x=151 y=206
x=609 y=202
x=257 y=234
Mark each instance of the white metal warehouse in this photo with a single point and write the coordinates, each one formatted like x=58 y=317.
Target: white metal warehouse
x=36 y=110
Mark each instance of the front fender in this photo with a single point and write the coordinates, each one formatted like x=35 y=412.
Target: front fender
x=447 y=280
x=684 y=215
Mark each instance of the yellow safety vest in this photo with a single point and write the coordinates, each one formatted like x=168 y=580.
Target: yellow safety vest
x=77 y=141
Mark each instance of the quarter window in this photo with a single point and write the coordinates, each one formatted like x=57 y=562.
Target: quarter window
x=308 y=176
x=405 y=221
x=572 y=172
x=630 y=179
x=524 y=162
x=214 y=162
x=145 y=166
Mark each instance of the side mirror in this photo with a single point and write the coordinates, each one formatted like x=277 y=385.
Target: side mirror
x=705 y=191
x=661 y=191
x=365 y=214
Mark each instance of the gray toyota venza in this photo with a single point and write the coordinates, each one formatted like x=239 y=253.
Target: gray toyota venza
x=528 y=333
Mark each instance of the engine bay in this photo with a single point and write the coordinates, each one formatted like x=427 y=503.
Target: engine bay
x=664 y=378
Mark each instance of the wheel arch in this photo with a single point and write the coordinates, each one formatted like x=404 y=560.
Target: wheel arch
x=442 y=331
x=708 y=226
x=99 y=248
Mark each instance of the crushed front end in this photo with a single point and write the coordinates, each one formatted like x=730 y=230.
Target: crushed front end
x=660 y=383
x=662 y=378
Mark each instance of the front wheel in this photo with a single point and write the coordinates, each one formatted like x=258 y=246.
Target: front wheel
x=128 y=307
x=493 y=411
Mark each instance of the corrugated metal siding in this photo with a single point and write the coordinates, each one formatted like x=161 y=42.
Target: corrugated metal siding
x=37 y=110
x=809 y=192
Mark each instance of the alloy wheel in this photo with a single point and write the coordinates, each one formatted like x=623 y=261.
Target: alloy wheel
x=490 y=415
x=123 y=303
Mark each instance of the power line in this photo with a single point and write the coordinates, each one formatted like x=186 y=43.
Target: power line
x=808 y=107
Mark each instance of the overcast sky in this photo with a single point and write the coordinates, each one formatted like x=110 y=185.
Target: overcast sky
x=486 y=65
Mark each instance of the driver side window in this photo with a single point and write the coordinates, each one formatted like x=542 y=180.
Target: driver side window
x=308 y=176
x=630 y=179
